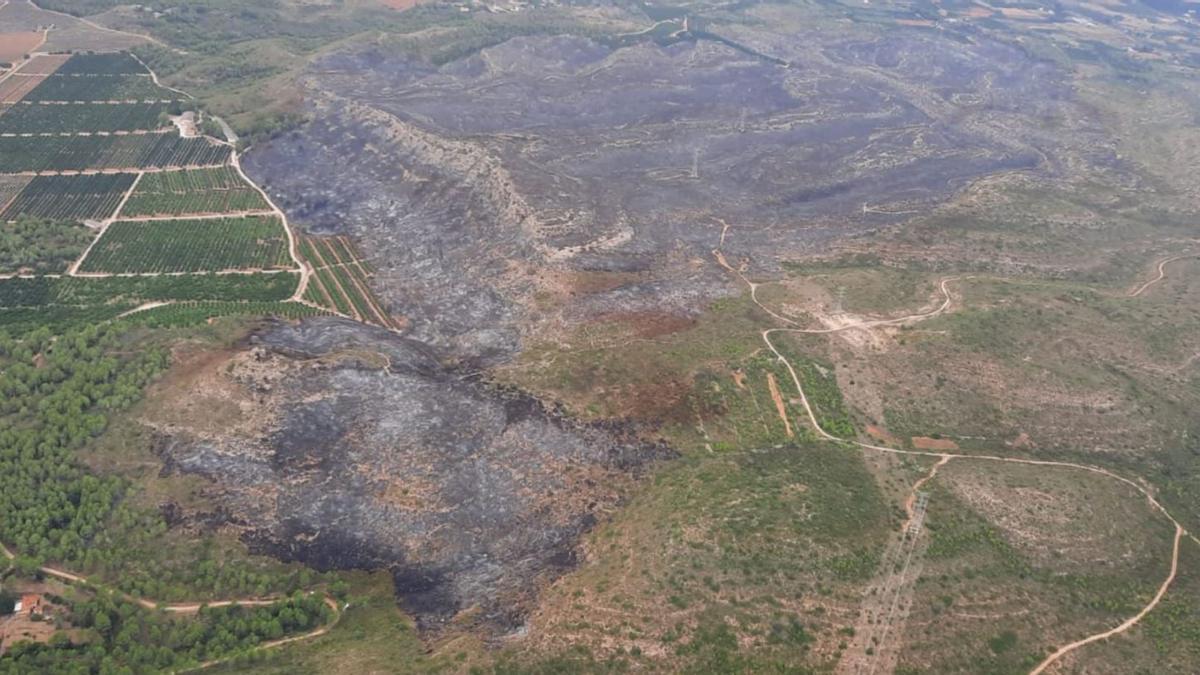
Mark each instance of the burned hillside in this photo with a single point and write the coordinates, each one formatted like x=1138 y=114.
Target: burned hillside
x=355 y=448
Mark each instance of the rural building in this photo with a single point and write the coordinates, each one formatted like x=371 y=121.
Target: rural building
x=30 y=605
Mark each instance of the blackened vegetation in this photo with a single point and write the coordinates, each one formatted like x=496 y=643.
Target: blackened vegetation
x=472 y=495
x=463 y=181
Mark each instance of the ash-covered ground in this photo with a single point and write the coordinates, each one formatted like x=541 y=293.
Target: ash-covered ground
x=356 y=448
x=467 y=182
x=540 y=184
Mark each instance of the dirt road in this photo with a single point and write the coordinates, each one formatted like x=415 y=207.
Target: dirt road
x=194 y=607
x=1129 y=623
x=1180 y=531
x=306 y=270
x=1160 y=275
x=106 y=29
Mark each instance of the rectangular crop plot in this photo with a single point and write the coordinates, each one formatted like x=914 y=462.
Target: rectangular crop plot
x=70 y=197
x=341 y=280
x=14 y=46
x=99 y=88
x=10 y=187
x=77 y=153
x=44 y=64
x=82 y=291
x=15 y=87
x=209 y=245
x=86 y=117
x=121 y=63
x=198 y=191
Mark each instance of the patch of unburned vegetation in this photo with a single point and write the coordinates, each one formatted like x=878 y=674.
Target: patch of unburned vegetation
x=996 y=596
x=754 y=559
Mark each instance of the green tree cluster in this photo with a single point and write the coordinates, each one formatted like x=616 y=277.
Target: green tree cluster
x=41 y=245
x=121 y=637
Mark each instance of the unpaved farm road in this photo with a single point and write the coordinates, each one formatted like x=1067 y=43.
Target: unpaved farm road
x=194 y=607
x=305 y=272
x=305 y=269
x=1161 y=274
x=1180 y=531
x=105 y=29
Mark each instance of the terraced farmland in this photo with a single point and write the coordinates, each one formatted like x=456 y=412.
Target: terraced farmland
x=78 y=153
x=84 y=197
x=341 y=281
x=251 y=243
x=88 y=117
x=60 y=87
x=200 y=191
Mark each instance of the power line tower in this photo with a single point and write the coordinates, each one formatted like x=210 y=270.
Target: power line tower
x=914 y=528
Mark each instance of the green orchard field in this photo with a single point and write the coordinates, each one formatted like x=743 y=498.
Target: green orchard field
x=190 y=246
x=200 y=191
x=70 y=197
x=78 y=153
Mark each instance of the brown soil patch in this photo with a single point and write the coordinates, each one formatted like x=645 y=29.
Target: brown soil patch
x=14 y=88
x=779 y=405
x=739 y=378
x=649 y=324
x=44 y=64
x=1021 y=14
x=978 y=12
x=586 y=283
x=14 y=46
x=411 y=496
x=927 y=443
x=23 y=629
x=657 y=402
x=920 y=23
x=882 y=435
x=20 y=627
x=1022 y=442
x=210 y=393
x=399 y=5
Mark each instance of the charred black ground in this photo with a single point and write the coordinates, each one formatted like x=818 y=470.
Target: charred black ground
x=478 y=186
x=471 y=495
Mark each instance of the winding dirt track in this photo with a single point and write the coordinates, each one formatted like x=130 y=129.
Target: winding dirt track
x=305 y=272
x=194 y=607
x=1180 y=531
x=106 y=29
x=1162 y=274
x=912 y=497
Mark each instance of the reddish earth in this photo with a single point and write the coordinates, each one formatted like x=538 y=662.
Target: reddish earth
x=589 y=282
x=14 y=88
x=927 y=443
x=978 y=12
x=779 y=406
x=14 y=46
x=399 y=5
x=882 y=435
x=44 y=64
x=649 y=324
x=659 y=402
